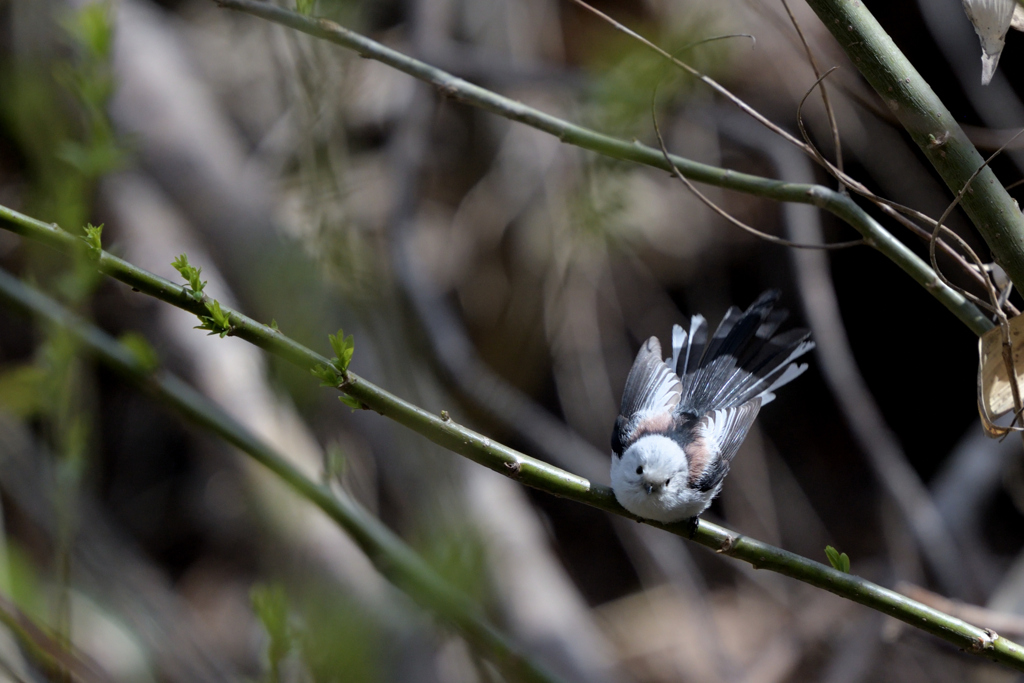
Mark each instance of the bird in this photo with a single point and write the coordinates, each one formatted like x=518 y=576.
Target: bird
x=682 y=419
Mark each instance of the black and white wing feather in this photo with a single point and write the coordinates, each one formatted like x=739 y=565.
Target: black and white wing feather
x=715 y=439
x=649 y=400
x=744 y=359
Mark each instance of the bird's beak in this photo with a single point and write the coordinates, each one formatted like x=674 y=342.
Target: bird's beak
x=649 y=487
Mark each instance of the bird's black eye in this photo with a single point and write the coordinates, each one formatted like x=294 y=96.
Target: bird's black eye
x=640 y=470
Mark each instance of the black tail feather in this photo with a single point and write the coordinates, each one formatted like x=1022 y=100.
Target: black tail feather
x=722 y=336
x=743 y=358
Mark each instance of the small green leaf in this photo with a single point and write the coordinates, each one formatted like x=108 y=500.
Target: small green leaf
x=218 y=314
x=182 y=265
x=92 y=28
x=271 y=606
x=141 y=349
x=840 y=561
x=353 y=403
x=218 y=322
x=343 y=347
x=337 y=342
x=191 y=275
x=93 y=241
x=304 y=7
x=346 y=356
x=327 y=375
x=273 y=325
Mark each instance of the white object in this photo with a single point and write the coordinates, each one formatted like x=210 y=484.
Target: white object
x=683 y=420
x=991 y=19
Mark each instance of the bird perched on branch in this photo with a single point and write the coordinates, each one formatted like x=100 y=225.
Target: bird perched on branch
x=683 y=419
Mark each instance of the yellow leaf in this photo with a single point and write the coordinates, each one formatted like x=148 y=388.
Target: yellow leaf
x=995 y=396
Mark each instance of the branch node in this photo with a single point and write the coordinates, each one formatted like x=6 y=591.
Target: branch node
x=939 y=140
x=727 y=545
x=985 y=642
x=514 y=467
x=445 y=417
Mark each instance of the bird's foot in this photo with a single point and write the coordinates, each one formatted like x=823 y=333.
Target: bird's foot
x=691 y=526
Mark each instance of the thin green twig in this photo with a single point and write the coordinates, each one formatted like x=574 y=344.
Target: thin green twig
x=388 y=553
x=456 y=88
x=443 y=431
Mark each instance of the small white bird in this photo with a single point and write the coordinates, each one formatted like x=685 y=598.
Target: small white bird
x=683 y=419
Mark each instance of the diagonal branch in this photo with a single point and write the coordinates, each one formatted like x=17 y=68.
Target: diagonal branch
x=529 y=471
x=932 y=126
x=822 y=197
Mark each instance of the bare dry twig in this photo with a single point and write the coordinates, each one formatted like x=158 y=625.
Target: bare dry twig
x=715 y=85
x=829 y=111
x=735 y=221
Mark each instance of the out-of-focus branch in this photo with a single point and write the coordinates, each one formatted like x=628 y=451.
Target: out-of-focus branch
x=383 y=546
x=47 y=649
x=110 y=569
x=822 y=197
x=970 y=475
x=931 y=126
x=388 y=552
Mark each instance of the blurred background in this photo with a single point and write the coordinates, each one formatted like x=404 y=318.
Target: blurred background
x=486 y=269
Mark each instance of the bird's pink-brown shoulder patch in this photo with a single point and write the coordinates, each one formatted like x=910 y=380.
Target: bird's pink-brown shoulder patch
x=652 y=423
x=698 y=456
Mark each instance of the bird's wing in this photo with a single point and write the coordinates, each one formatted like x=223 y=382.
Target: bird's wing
x=715 y=440
x=651 y=394
x=679 y=337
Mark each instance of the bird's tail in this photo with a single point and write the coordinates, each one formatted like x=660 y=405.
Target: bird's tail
x=744 y=358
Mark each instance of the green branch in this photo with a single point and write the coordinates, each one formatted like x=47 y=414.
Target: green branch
x=388 y=553
x=529 y=471
x=817 y=195
x=910 y=98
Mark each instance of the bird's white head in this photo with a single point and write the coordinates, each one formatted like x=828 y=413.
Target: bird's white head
x=650 y=480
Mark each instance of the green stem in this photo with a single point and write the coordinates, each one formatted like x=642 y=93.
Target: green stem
x=910 y=98
x=387 y=552
x=451 y=86
x=507 y=461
